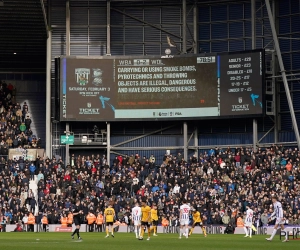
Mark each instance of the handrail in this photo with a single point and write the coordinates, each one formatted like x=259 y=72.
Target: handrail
x=86 y=138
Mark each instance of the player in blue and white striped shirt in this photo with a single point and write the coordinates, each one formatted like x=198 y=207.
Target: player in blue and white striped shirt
x=136 y=219
x=184 y=219
x=278 y=214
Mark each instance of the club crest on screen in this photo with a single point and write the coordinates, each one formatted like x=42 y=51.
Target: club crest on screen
x=97 y=77
x=82 y=76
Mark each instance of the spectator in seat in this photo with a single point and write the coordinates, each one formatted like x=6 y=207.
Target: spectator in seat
x=28 y=131
x=9 y=142
x=4 y=150
x=264 y=218
x=3 y=223
x=19 y=115
x=15 y=142
x=225 y=219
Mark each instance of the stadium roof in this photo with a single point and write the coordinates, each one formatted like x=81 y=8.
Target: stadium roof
x=22 y=35
x=23 y=32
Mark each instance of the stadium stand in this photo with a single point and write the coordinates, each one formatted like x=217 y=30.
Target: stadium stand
x=15 y=133
x=219 y=183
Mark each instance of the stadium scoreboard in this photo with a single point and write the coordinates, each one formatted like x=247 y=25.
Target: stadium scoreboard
x=182 y=87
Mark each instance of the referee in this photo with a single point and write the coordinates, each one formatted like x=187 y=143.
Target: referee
x=77 y=212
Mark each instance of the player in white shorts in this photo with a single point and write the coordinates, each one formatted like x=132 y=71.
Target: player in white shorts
x=184 y=219
x=278 y=214
x=136 y=219
x=248 y=222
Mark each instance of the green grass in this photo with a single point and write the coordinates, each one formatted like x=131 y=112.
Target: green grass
x=126 y=241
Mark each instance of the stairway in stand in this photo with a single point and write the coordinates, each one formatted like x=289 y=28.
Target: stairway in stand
x=37 y=108
x=34 y=187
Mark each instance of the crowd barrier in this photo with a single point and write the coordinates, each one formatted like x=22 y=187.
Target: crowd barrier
x=294 y=231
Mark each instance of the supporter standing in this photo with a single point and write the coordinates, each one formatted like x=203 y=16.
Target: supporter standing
x=32 y=169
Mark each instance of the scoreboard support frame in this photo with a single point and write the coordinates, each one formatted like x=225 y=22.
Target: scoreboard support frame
x=283 y=73
x=253 y=32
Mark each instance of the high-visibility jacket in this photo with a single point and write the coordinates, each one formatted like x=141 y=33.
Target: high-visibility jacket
x=45 y=220
x=31 y=219
x=70 y=218
x=239 y=222
x=234 y=213
x=91 y=218
x=165 y=222
x=64 y=221
x=99 y=220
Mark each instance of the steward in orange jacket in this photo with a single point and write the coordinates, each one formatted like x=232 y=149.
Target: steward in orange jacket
x=31 y=222
x=70 y=219
x=91 y=218
x=99 y=222
x=240 y=222
x=45 y=223
x=165 y=224
x=64 y=221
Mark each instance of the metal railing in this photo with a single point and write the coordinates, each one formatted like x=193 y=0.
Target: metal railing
x=86 y=138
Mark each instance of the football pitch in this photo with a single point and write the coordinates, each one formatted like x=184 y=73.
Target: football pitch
x=126 y=241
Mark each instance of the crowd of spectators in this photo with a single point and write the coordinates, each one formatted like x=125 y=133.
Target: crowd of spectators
x=219 y=183
x=15 y=122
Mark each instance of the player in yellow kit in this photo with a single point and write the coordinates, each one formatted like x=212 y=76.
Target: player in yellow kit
x=109 y=215
x=197 y=221
x=146 y=219
x=154 y=219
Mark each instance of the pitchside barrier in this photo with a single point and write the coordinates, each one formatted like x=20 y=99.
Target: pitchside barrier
x=294 y=231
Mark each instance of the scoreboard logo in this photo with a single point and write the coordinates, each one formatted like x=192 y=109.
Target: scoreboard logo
x=97 y=77
x=89 y=110
x=82 y=76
